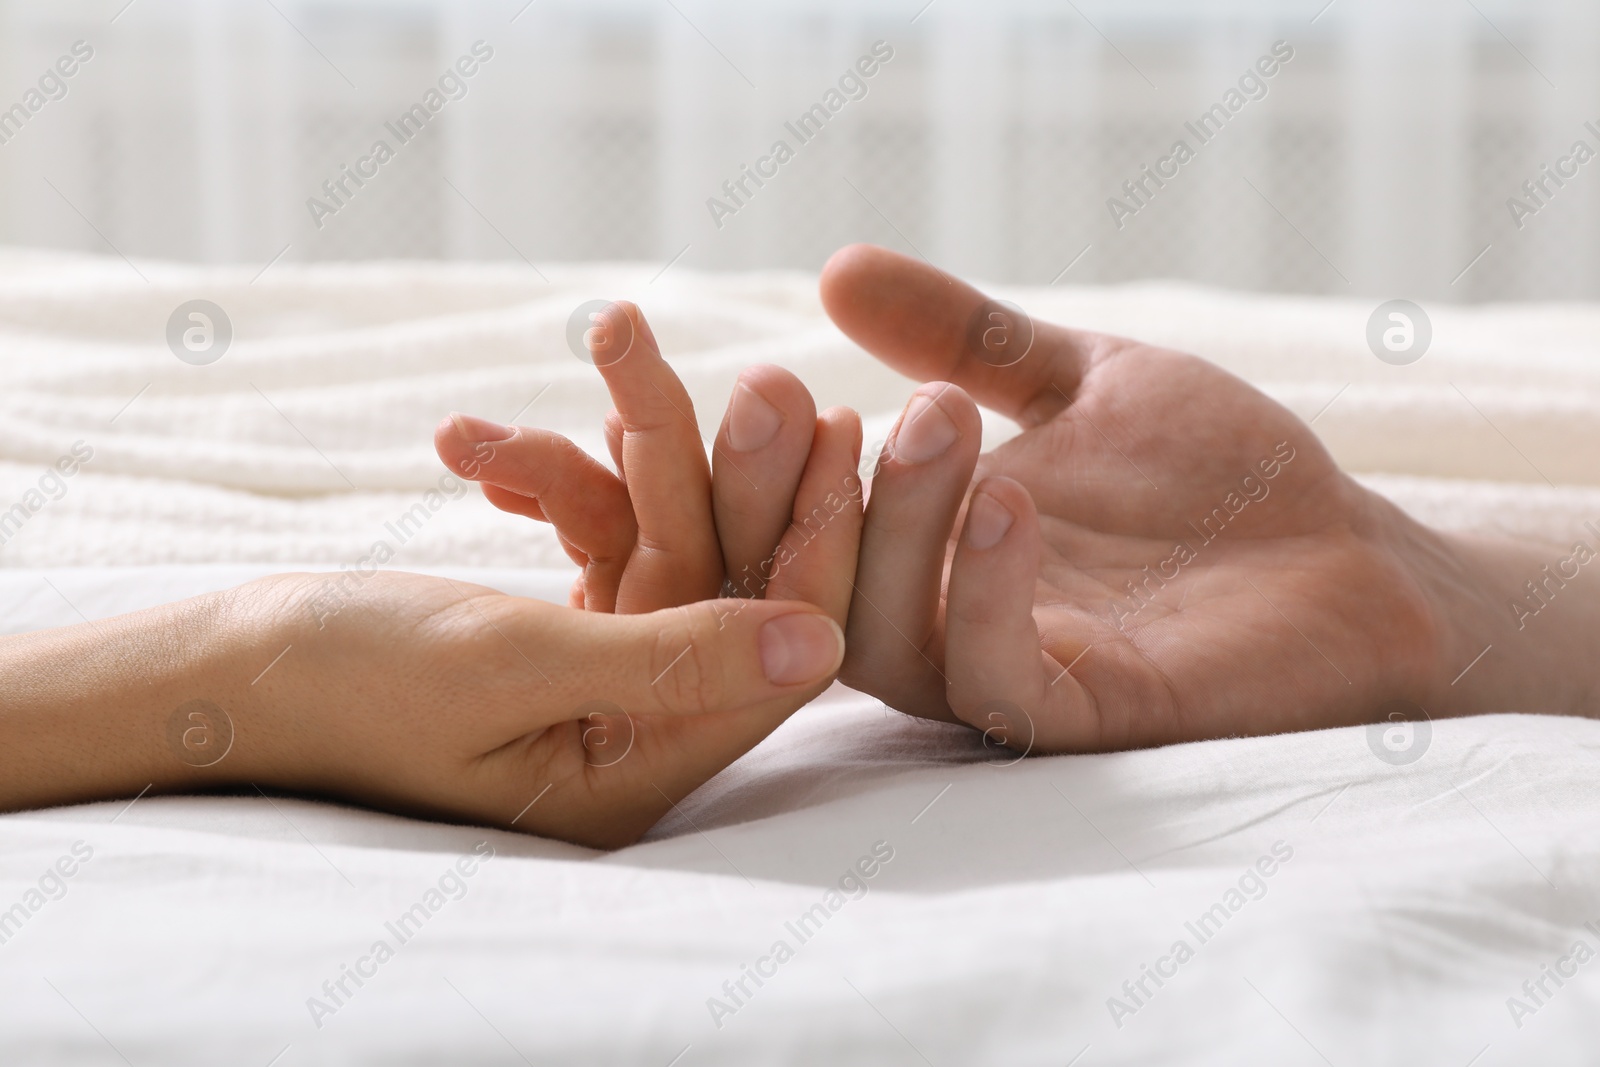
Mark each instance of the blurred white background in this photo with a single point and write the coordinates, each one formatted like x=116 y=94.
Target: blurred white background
x=1379 y=163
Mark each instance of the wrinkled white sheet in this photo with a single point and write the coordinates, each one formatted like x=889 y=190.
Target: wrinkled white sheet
x=1020 y=896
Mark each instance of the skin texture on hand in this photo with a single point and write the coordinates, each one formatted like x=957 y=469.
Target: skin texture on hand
x=1163 y=554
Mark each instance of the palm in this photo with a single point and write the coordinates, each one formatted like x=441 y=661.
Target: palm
x=1170 y=560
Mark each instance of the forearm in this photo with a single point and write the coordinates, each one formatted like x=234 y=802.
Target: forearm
x=93 y=711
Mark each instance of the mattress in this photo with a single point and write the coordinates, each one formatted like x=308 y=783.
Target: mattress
x=862 y=887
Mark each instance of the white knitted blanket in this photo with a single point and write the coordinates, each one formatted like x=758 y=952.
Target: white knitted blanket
x=313 y=430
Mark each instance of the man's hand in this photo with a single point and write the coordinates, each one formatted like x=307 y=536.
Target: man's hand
x=1163 y=554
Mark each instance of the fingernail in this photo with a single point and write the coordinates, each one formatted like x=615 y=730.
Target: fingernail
x=925 y=432
x=752 y=422
x=800 y=648
x=473 y=428
x=987 y=521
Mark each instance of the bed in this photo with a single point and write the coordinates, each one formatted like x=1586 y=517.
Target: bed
x=1285 y=900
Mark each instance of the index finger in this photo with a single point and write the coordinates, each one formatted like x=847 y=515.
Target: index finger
x=933 y=327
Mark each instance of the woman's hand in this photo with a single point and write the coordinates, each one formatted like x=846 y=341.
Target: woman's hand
x=434 y=697
x=420 y=695
x=1164 y=554
x=453 y=700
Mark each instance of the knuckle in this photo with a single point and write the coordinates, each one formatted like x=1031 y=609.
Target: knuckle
x=537 y=462
x=685 y=668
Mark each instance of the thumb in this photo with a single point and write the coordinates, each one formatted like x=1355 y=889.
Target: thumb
x=711 y=656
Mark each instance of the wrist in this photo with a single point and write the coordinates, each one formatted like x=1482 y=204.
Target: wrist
x=156 y=699
x=1519 y=623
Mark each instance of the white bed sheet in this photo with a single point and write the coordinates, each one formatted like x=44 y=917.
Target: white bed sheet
x=1019 y=899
